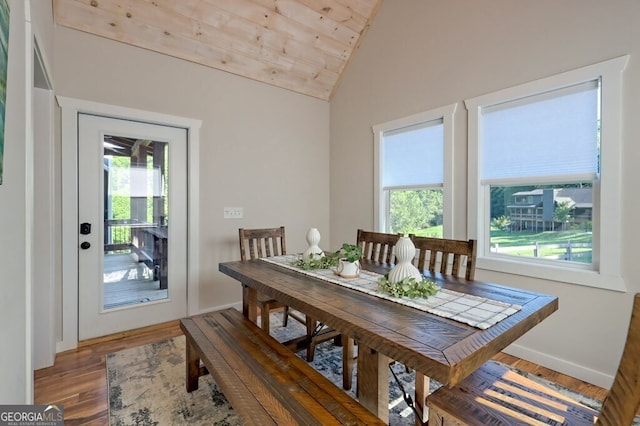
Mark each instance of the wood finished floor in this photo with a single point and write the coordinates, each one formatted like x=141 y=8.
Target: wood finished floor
x=128 y=282
x=78 y=379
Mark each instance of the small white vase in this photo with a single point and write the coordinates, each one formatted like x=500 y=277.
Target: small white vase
x=348 y=269
x=405 y=252
x=314 y=251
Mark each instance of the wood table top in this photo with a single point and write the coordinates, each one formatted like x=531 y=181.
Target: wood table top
x=443 y=349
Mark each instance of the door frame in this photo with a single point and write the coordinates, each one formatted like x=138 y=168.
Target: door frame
x=70 y=109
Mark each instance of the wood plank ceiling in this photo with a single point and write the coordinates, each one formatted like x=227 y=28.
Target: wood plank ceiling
x=300 y=45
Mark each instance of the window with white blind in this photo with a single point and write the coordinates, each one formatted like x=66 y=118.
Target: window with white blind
x=544 y=172
x=413 y=174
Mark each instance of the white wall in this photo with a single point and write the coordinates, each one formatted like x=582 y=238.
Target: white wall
x=421 y=55
x=13 y=383
x=16 y=206
x=262 y=148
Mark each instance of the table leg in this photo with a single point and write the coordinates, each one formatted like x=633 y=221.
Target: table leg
x=373 y=381
x=311 y=325
x=422 y=391
x=193 y=367
x=347 y=362
x=250 y=303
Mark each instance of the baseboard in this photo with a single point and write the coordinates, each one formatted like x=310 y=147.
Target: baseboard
x=562 y=366
x=237 y=306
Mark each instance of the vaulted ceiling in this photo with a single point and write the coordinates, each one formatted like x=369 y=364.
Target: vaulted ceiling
x=300 y=45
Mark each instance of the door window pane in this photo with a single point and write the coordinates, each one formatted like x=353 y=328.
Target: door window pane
x=136 y=221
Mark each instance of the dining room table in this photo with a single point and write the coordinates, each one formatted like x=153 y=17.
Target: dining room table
x=445 y=342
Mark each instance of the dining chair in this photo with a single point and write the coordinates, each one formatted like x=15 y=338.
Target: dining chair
x=449 y=257
x=265 y=242
x=268 y=242
x=376 y=247
x=496 y=395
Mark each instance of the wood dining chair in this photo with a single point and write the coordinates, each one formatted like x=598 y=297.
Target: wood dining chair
x=265 y=242
x=376 y=247
x=268 y=242
x=449 y=257
x=496 y=395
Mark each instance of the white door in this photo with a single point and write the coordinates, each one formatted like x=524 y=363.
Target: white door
x=132 y=211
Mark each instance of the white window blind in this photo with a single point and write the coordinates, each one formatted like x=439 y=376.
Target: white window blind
x=413 y=155
x=553 y=135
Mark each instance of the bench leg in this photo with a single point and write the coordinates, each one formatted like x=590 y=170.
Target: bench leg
x=193 y=367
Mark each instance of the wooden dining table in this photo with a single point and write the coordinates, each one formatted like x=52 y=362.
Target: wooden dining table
x=443 y=349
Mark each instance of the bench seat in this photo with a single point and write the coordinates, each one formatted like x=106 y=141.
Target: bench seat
x=264 y=381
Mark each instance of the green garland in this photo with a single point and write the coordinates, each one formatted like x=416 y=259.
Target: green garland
x=408 y=287
x=350 y=252
x=328 y=261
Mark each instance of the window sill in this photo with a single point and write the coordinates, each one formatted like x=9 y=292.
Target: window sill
x=557 y=273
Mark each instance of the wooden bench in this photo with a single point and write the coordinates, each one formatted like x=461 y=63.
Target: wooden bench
x=264 y=381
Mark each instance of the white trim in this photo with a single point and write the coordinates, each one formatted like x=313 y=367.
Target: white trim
x=445 y=113
x=45 y=225
x=45 y=340
x=607 y=229
x=70 y=110
x=29 y=204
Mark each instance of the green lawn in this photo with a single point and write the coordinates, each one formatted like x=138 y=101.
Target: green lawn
x=510 y=239
x=518 y=239
x=434 y=232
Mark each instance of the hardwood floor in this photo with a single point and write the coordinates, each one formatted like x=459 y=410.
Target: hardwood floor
x=78 y=379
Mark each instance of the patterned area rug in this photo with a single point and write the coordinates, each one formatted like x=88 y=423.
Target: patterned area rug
x=147 y=385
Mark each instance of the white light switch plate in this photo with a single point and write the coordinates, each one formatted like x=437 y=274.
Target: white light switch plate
x=233 y=213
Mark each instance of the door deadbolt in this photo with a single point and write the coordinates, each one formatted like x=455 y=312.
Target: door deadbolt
x=85 y=245
x=85 y=228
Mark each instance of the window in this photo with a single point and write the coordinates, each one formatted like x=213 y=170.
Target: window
x=413 y=174
x=544 y=171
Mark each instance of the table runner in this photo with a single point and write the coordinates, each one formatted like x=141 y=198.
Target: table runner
x=476 y=311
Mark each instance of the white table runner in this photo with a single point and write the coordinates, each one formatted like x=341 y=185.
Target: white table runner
x=476 y=311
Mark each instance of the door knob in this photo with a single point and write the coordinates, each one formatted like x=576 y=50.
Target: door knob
x=85 y=245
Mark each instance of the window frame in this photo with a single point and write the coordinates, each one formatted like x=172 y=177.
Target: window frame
x=381 y=199
x=605 y=270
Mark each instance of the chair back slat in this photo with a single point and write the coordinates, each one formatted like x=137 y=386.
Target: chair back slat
x=623 y=400
x=377 y=246
x=264 y=242
x=452 y=256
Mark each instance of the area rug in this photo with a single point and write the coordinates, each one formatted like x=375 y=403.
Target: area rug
x=147 y=385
